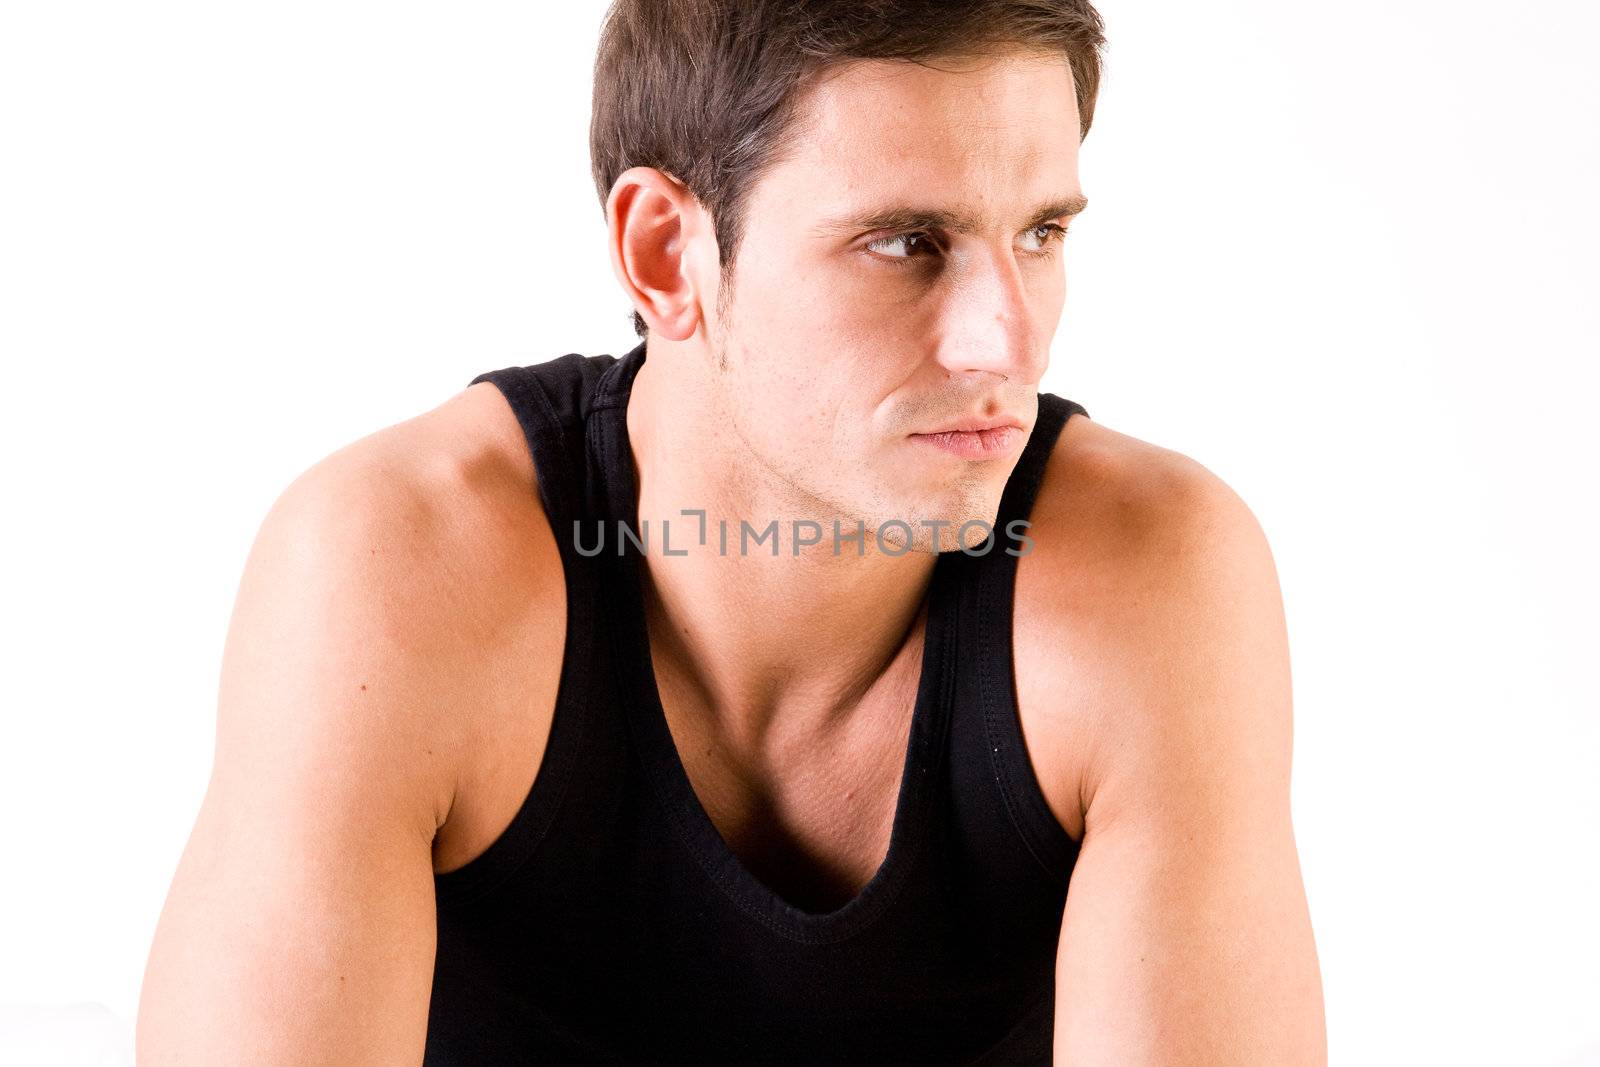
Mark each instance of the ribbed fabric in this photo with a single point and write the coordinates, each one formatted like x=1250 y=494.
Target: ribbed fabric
x=611 y=923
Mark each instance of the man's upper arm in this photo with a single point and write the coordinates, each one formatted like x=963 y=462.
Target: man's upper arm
x=300 y=923
x=1186 y=936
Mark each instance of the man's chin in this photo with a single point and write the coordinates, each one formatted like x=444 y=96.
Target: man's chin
x=936 y=530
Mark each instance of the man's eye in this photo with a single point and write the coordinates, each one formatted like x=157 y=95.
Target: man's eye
x=1046 y=232
x=901 y=248
x=906 y=241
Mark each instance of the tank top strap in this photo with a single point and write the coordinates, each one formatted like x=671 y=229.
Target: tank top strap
x=552 y=401
x=1016 y=503
x=990 y=673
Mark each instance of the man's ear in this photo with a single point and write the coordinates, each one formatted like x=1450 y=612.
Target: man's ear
x=648 y=215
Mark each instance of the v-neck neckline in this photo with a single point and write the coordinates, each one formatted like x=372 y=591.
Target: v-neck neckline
x=658 y=752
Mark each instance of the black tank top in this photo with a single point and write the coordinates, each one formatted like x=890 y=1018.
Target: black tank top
x=611 y=923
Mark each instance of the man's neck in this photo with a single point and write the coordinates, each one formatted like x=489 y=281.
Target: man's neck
x=770 y=646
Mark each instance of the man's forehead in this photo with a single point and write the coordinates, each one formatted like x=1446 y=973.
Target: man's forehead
x=912 y=128
x=992 y=93
x=887 y=144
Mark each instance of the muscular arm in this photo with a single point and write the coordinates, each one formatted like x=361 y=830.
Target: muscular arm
x=1186 y=937
x=300 y=924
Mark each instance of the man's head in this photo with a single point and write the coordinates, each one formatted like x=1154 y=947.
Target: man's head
x=853 y=210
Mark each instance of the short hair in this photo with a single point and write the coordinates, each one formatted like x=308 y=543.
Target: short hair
x=706 y=90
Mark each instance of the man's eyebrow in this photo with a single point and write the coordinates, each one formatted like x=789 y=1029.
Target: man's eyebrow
x=950 y=220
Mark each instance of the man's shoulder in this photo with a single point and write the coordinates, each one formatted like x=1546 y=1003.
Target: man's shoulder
x=380 y=631
x=1111 y=492
x=419 y=559
x=1145 y=564
x=441 y=508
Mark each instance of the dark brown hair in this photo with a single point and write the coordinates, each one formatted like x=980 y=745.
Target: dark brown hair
x=705 y=90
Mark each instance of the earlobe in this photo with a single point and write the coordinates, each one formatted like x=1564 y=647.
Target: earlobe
x=645 y=221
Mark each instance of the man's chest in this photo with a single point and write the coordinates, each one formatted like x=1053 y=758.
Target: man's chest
x=832 y=802
x=827 y=807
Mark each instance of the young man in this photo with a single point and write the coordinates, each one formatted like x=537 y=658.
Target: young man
x=903 y=649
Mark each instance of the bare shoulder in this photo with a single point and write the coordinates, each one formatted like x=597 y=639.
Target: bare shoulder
x=417 y=560
x=1160 y=700
x=388 y=604
x=1146 y=567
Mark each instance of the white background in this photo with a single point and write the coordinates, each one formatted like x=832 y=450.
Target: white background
x=1344 y=255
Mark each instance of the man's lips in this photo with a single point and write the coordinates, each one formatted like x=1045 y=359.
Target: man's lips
x=986 y=441
x=975 y=425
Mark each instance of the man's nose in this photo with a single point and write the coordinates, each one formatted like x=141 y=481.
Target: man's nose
x=988 y=320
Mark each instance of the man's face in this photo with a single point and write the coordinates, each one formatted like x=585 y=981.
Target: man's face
x=845 y=338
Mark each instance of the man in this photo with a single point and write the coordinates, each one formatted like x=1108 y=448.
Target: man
x=491 y=787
